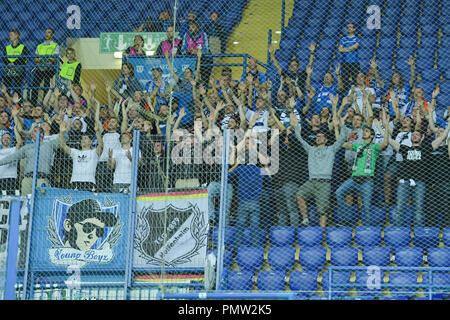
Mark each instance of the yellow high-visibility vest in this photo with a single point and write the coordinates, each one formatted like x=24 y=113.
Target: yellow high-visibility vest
x=46 y=49
x=11 y=51
x=68 y=70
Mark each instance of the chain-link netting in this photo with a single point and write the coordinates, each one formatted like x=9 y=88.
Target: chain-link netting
x=168 y=165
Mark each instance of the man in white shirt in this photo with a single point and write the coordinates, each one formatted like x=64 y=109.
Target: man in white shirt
x=257 y=120
x=84 y=160
x=120 y=161
x=8 y=172
x=359 y=89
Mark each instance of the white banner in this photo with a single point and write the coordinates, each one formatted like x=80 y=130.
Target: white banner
x=171 y=232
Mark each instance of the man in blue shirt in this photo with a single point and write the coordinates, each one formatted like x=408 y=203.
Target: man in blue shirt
x=349 y=46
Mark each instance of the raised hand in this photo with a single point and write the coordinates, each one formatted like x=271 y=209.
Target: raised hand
x=411 y=61
x=110 y=153
x=312 y=46
x=271 y=49
x=293 y=119
x=334 y=99
x=435 y=92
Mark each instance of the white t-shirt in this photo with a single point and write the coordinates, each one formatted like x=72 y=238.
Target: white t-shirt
x=8 y=171
x=122 y=172
x=261 y=123
x=84 y=165
x=359 y=98
x=379 y=138
x=407 y=142
x=111 y=140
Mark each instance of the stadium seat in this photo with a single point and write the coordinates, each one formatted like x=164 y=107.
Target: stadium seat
x=309 y=236
x=271 y=280
x=312 y=257
x=338 y=277
x=443 y=64
x=412 y=4
x=408 y=218
x=368 y=44
x=426 y=237
x=406 y=42
x=432 y=75
x=442 y=280
x=362 y=278
x=327 y=43
x=446 y=236
x=409 y=256
x=330 y=31
x=439 y=257
x=408 y=30
x=227 y=256
x=368 y=236
x=338 y=236
x=303 y=281
x=352 y=214
x=366 y=53
x=397 y=236
x=250 y=258
x=429 y=42
x=376 y=256
x=404 y=282
x=230 y=233
x=388 y=42
x=281 y=258
x=384 y=64
x=281 y=236
x=428 y=87
x=258 y=240
x=292 y=33
x=239 y=280
x=424 y=63
x=344 y=256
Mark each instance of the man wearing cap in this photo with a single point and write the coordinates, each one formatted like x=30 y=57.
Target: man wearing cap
x=85 y=223
x=14 y=76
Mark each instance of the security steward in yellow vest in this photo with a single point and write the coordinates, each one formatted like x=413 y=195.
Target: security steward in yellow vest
x=13 y=77
x=44 y=73
x=70 y=70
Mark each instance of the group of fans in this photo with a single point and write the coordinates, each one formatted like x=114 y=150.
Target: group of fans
x=355 y=139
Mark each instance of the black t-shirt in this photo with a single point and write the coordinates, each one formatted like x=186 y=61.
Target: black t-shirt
x=415 y=160
x=309 y=135
x=439 y=164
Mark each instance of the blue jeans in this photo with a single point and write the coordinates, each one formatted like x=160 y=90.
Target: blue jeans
x=366 y=191
x=288 y=210
x=246 y=210
x=418 y=196
x=214 y=189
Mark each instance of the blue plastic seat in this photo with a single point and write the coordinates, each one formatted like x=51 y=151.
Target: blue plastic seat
x=227 y=256
x=404 y=282
x=339 y=236
x=362 y=278
x=271 y=280
x=408 y=217
x=409 y=256
x=230 y=233
x=439 y=257
x=442 y=102
x=239 y=280
x=330 y=31
x=403 y=53
x=338 y=277
x=397 y=236
x=292 y=33
x=352 y=214
x=312 y=32
x=427 y=86
x=281 y=258
x=250 y=240
x=309 y=236
x=384 y=64
x=312 y=258
x=426 y=237
x=388 y=42
x=432 y=75
x=443 y=52
x=250 y=258
x=304 y=281
x=366 y=53
x=446 y=235
x=443 y=63
x=376 y=256
x=428 y=42
x=327 y=43
x=367 y=44
x=442 y=280
x=281 y=235
x=368 y=236
x=408 y=30
x=344 y=256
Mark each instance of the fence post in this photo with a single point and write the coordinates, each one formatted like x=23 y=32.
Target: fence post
x=132 y=214
x=223 y=208
x=269 y=42
x=283 y=15
x=26 y=293
x=13 y=246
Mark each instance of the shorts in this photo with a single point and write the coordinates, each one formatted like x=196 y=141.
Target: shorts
x=318 y=189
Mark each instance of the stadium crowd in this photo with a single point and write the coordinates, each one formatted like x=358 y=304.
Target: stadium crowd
x=355 y=139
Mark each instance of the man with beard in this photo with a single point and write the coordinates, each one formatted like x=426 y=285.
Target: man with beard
x=169 y=45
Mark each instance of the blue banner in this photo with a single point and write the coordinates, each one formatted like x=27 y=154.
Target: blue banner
x=143 y=68
x=81 y=229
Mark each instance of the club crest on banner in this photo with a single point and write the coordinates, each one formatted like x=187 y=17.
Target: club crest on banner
x=83 y=232
x=171 y=241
